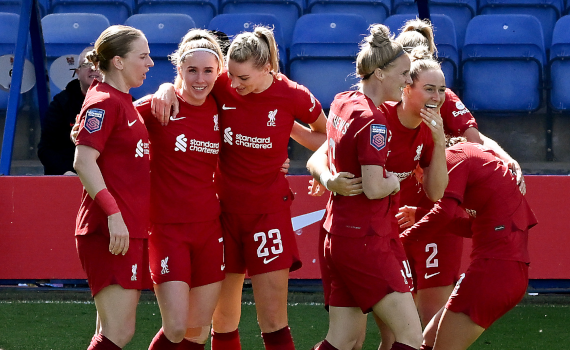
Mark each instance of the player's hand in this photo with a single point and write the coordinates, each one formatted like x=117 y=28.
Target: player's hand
x=119 y=234
x=406 y=216
x=517 y=171
x=74 y=132
x=345 y=184
x=432 y=118
x=164 y=103
x=315 y=188
x=285 y=167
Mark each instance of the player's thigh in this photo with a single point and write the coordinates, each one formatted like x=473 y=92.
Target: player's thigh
x=456 y=331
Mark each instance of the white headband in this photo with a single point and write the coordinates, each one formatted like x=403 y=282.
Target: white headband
x=186 y=53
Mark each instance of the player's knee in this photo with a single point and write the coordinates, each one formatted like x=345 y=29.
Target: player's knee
x=175 y=332
x=198 y=335
x=122 y=335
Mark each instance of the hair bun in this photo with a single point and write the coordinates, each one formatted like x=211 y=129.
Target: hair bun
x=420 y=53
x=379 y=36
x=92 y=56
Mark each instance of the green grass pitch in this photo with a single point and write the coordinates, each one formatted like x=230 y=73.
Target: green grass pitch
x=53 y=321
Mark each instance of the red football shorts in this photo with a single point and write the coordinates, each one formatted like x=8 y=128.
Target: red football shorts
x=489 y=289
x=190 y=252
x=259 y=243
x=363 y=270
x=103 y=269
x=435 y=261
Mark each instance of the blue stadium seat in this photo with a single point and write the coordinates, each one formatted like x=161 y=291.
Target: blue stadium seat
x=373 y=11
x=502 y=63
x=460 y=11
x=65 y=36
x=8 y=35
x=201 y=11
x=116 y=11
x=15 y=6
x=287 y=11
x=323 y=52
x=164 y=32
x=546 y=11
x=560 y=66
x=445 y=41
x=234 y=23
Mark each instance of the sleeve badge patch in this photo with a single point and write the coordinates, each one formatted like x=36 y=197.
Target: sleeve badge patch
x=94 y=119
x=378 y=134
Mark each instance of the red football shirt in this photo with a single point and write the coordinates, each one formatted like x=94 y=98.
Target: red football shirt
x=111 y=125
x=183 y=159
x=456 y=117
x=256 y=129
x=357 y=134
x=408 y=148
x=485 y=187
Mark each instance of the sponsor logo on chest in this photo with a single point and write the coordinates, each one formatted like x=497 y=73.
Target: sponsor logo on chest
x=142 y=149
x=182 y=144
x=246 y=141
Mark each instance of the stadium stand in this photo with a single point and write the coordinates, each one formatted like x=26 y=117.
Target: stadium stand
x=201 y=11
x=8 y=21
x=116 y=11
x=15 y=6
x=502 y=63
x=323 y=52
x=234 y=23
x=546 y=11
x=163 y=31
x=373 y=11
x=65 y=36
x=460 y=11
x=287 y=11
x=560 y=66
x=445 y=41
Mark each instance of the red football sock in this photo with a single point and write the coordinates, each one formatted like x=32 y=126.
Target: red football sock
x=186 y=344
x=226 y=341
x=426 y=347
x=325 y=345
x=400 y=346
x=161 y=342
x=100 y=342
x=279 y=340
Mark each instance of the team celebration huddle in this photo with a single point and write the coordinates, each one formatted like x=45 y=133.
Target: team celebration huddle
x=185 y=191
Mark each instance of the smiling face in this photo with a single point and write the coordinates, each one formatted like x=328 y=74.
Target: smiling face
x=428 y=91
x=396 y=78
x=198 y=72
x=136 y=63
x=246 y=78
x=85 y=74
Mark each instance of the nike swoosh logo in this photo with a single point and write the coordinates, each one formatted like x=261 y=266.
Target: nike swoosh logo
x=175 y=119
x=131 y=123
x=267 y=261
x=430 y=276
x=226 y=108
x=305 y=220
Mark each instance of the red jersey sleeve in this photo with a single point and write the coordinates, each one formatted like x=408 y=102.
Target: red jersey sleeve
x=97 y=122
x=458 y=172
x=372 y=141
x=307 y=108
x=456 y=117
